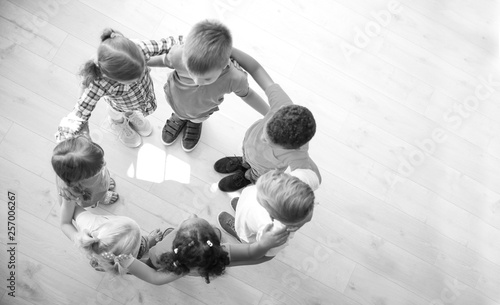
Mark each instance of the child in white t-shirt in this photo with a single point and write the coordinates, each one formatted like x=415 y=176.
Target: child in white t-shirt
x=278 y=198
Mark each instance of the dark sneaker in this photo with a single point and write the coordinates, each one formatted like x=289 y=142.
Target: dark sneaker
x=226 y=222
x=234 y=182
x=191 y=136
x=229 y=165
x=172 y=129
x=234 y=203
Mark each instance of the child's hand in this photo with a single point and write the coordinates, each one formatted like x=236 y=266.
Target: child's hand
x=273 y=237
x=70 y=194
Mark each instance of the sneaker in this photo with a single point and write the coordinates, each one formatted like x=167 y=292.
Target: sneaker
x=126 y=134
x=234 y=203
x=191 y=136
x=234 y=182
x=229 y=165
x=139 y=123
x=172 y=129
x=226 y=222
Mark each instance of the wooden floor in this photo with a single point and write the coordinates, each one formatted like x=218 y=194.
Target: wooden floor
x=406 y=97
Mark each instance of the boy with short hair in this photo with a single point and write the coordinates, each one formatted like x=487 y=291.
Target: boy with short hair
x=204 y=73
x=279 y=140
x=278 y=198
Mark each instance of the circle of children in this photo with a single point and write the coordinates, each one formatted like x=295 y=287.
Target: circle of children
x=275 y=170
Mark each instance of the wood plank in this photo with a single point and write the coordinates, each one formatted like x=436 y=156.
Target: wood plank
x=18 y=146
x=54 y=249
x=317 y=261
x=25 y=69
x=35 y=194
x=31 y=31
x=30 y=110
x=79 y=20
x=287 y=285
x=131 y=290
x=40 y=284
x=5 y=125
x=386 y=259
x=368 y=287
x=138 y=15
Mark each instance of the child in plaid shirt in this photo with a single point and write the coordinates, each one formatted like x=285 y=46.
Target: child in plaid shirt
x=121 y=77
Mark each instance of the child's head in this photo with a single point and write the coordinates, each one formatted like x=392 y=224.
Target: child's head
x=286 y=198
x=77 y=158
x=206 y=51
x=121 y=235
x=290 y=127
x=118 y=58
x=196 y=245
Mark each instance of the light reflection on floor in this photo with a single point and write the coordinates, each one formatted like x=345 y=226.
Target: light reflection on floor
x=154 y=165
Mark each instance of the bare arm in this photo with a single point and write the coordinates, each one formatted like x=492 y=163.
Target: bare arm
x=258 y=73
x=150 y=275
x=67 y=212
x=256 y=102
x=254 y=253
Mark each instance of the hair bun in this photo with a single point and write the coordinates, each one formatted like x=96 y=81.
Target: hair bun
x=110 y=33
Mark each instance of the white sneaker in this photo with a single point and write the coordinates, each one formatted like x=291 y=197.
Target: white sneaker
x=126 y=134
x=139 y=123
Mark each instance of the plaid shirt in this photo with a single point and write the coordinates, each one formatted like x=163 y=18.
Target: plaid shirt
x=138 y=96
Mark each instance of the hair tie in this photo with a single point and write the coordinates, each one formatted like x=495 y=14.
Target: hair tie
x=209 y=243
x=116 y=259
x=176 y=250
x=175 y=264
x=96 y=62
x=115 y=34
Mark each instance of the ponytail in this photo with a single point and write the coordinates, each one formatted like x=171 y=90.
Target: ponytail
x=90 y=72
x=110 y=33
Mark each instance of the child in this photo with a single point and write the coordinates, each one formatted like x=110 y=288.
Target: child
x=195 y=247
x=82 y=178
x=278 y=198
x=277 y=141
x=203 y=74
x=120 y=76
x=114 y=244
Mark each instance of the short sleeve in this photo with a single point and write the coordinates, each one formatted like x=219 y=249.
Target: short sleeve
x=277 y=97
x=307 y=176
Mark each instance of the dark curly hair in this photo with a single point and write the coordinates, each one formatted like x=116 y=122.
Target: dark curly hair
x=291 y=127
x=196 y=246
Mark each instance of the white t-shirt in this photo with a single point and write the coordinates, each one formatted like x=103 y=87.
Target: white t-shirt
x=251 y=217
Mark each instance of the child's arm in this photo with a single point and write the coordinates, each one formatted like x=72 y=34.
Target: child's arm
x=256 y=102
x=258 y=73
x=250 y=254
x=148 y=274
x=67 y=211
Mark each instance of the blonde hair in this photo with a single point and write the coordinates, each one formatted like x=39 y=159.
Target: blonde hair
x=121 y=235
x=285 y=197
x=208 y=47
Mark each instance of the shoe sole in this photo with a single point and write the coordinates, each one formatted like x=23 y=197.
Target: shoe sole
x=168 y=144
x=191 y=149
